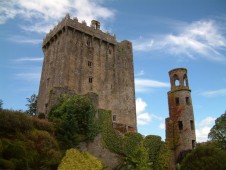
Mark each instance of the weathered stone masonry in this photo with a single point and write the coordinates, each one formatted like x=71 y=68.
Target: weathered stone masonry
x=180 y=126
x=80 y=59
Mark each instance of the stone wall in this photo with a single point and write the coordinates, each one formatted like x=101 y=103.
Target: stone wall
x=96 y=148
x=84 y=59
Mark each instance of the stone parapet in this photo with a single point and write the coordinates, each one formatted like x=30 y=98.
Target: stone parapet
x=67 y=22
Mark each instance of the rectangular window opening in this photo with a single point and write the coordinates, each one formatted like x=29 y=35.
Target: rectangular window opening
x=180 y=125
x=177 y=101
x=193 y=144
x=114 y=117
x=187 y=101
x=89 y=63
x=90 y=79
x=192 y=124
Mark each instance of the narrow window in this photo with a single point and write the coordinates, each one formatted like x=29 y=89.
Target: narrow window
x=176 y=80
x=177 y=101
x=90 y=64
x=187 y=101
x=180 y=125
x=185 y=80
x=192 y=124
x=90 y=79
x=193 y=144
x=177 y=83
x=109 y=51
x=114 y=117
x=88 y=42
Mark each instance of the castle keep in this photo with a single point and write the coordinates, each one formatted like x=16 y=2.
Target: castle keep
x=180 y=126
x=81 y=59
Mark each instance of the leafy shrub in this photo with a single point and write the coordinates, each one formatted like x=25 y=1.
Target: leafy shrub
x=112 y=139
x=41 y=115
x=206 y=158
x=14 y=121
x=131 y=141
x=43 y=124
x=153 y=143
x=74 y=118
x=6 y=164
x=23 y=146
x=14 y=150
x=76 y=160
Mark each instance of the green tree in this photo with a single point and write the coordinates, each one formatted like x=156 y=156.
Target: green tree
x=1 y=104
x=153 y=143
x=164 y=156
x=74 y=118
x=76 y=160
x=218 y=132
x=206 y=158
x=136 y=155
x=32 y=105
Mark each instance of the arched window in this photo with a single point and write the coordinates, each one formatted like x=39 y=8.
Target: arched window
x=176 y=80
x=185 y=80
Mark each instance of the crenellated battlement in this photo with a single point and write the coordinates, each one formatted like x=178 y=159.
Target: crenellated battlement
x=93 y=30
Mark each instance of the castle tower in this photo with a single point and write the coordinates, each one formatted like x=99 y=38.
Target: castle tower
x=180 y=126
x=81 y=59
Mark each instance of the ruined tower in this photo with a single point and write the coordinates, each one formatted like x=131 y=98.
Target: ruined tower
x=81 y=59
x=180 y=126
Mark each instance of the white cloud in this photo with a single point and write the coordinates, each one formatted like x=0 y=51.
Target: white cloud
x=162 y=126
x=6 y=10
x=41 y=15
x=199 y=39
x=22 y=39
x=214 y=93
x=27 y=59
x=28 y=76
x=143 y=85
x=141 y=73
x=203 y=129
x=143 y=117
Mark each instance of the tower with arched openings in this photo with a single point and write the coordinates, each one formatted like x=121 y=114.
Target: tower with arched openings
x=180 y=126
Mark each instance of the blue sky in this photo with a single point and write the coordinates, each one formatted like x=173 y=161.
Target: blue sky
x=165 y=35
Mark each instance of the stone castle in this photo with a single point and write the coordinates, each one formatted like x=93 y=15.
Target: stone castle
x=180 y=126
x=84 y=60
x=81 y=59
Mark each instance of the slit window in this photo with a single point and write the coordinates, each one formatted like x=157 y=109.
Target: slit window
x=193 y=144
x=177 y=101
x=90 y=79
x=88 y=42
x=180 y=125
x=109 y=51
x=114 y=118
x=90 y=64
x=192 y=124
x=187 y=100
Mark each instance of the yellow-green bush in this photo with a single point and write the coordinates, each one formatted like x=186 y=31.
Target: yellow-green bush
x=76 y=160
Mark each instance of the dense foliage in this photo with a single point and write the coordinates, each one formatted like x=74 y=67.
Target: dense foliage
x=218 y=132
x=76 y=160
x=205 y=157
x=158 y=152
x=139 y=153
x=32 y=104
x=27 y=143
x=74 y=118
